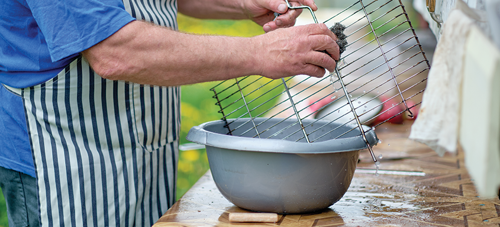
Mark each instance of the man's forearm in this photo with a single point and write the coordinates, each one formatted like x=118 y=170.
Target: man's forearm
x=148 y=54
x=144 y=53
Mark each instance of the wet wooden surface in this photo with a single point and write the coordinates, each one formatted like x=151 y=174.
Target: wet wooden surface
x=414 y=187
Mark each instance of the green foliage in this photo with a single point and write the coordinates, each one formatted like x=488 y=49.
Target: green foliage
x=197 y=104
x=197 y=107
x=242 y=28
x=390 y=20
x=3 y=211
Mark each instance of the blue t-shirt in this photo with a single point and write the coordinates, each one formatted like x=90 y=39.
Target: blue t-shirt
x=38 y=38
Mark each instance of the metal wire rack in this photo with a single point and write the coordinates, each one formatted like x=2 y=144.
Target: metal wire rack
x=380 y=76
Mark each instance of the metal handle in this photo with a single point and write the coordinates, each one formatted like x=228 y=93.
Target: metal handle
x=298 y=7
x=431 y=7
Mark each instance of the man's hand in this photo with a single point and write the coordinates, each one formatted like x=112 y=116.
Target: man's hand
x=296 y=50
x=262 y=12
x=148 y=54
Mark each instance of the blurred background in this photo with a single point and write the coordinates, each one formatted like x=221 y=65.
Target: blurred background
x=198 y=106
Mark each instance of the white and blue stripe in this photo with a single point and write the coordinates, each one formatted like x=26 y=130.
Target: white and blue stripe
x=105 y=151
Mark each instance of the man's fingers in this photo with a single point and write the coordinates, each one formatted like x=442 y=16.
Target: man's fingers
x=276 y=6
x=325 y=43
x=320 y=28
x=330 y=46
x=288 y=19
x=313 y=70
x=322 y=60
x=270 y=26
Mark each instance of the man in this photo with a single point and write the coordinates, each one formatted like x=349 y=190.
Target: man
x=90 y=103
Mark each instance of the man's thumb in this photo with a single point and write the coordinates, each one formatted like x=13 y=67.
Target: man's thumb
x=282 y=8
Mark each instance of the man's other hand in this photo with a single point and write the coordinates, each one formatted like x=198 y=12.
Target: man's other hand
x=262 y=12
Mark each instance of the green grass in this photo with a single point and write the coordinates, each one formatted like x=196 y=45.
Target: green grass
x=3 y=211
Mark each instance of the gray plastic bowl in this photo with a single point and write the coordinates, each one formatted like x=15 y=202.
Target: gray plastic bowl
x=280 y=176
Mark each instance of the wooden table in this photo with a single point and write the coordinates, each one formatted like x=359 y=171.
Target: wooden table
x=401 y=195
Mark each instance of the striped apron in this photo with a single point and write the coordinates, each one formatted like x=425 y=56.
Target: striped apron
x=105 y=151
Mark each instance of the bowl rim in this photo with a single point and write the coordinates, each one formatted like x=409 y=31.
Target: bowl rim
x=199 y=134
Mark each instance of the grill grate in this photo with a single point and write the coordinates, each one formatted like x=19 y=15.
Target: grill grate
x=379 y=77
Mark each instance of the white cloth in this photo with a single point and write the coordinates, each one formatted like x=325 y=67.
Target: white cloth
x=437 y=124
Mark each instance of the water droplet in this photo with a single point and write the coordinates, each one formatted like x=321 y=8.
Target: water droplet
x=333 y=97
x=380 y=156
x=379 y=141
x=359 y=102
x=377 y=165
x=364 y=91
x=388 y=144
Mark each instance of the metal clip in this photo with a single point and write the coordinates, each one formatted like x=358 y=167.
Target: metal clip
x=431 y=7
